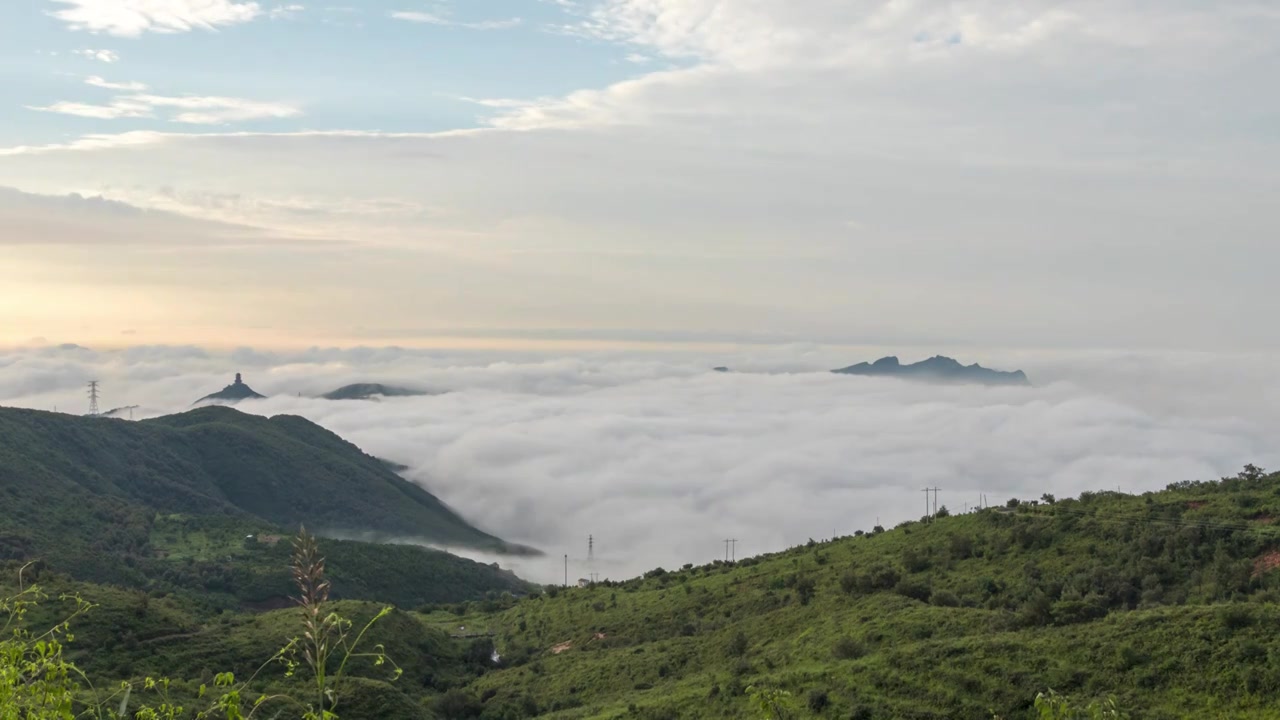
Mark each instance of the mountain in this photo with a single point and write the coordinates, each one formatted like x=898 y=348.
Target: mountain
x=84 y=493
x=368 y=391
x=233 y=393
x=936 y=369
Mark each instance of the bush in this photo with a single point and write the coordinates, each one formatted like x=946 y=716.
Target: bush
x=818 y=700
x=846 y=648
x=914 y=589
x=849 y=583
x=944 y=598
x=805 y=588
x=961 y=547
x=1236 y=617
x=914 y=562
x=738 y=644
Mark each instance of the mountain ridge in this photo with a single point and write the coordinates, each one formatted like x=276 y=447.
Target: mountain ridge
x=212 y=461
x=938 y=368
x=373 y=391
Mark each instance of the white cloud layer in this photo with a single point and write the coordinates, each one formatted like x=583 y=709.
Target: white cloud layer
x=660 y=459
x=97 y=81
x=106 y=56
x=131 y=18
x=189 y=109
x=428 y=18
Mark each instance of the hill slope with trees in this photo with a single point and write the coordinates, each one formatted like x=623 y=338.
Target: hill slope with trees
x=134 y=503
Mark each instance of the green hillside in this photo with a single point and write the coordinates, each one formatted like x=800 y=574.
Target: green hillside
x=118 y=502
x=1164 y=600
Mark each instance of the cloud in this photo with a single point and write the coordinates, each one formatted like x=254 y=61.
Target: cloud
x=195 y=110
x=106 y=56
x=436 y=19
x=218 y=110
x=131 y=18
x=96 y=81
x=660 y=459
x=281 y=12
x=121 y=109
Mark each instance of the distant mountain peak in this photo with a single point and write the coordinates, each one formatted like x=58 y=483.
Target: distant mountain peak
x=235 y=392
x=372 y=391
x=938 y=368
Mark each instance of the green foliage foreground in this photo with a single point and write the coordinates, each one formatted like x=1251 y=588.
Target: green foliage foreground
x=38 y=682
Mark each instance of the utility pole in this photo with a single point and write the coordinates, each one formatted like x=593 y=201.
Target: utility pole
x=927 y=515
x=731 y=543
x=93 y=397
x=566 y=571
x=935 y=501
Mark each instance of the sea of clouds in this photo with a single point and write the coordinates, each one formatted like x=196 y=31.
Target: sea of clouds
x=660 y=459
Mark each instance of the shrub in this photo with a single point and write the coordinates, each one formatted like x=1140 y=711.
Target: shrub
x=818 y=700
x=914 y=589
x=914 y=561
x=738 y=644
x=846 y=648
x=805 y=588
x=944 y=598
x=961 y=547
x=849 y=583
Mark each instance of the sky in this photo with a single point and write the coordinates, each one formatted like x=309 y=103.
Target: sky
x=660 y=459
x=588 y=174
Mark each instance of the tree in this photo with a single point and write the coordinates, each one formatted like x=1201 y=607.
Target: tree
x=773 y=704
x=1048 y=498
x=1052 y=706
x=1252 y=473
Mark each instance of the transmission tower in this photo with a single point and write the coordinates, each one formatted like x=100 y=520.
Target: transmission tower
x=93 y=397
x=591 y=548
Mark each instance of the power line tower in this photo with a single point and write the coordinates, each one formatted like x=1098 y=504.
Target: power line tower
x=591 y=549
x=93 y=397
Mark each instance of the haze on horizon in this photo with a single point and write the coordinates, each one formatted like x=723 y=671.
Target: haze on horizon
x=604 y=173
